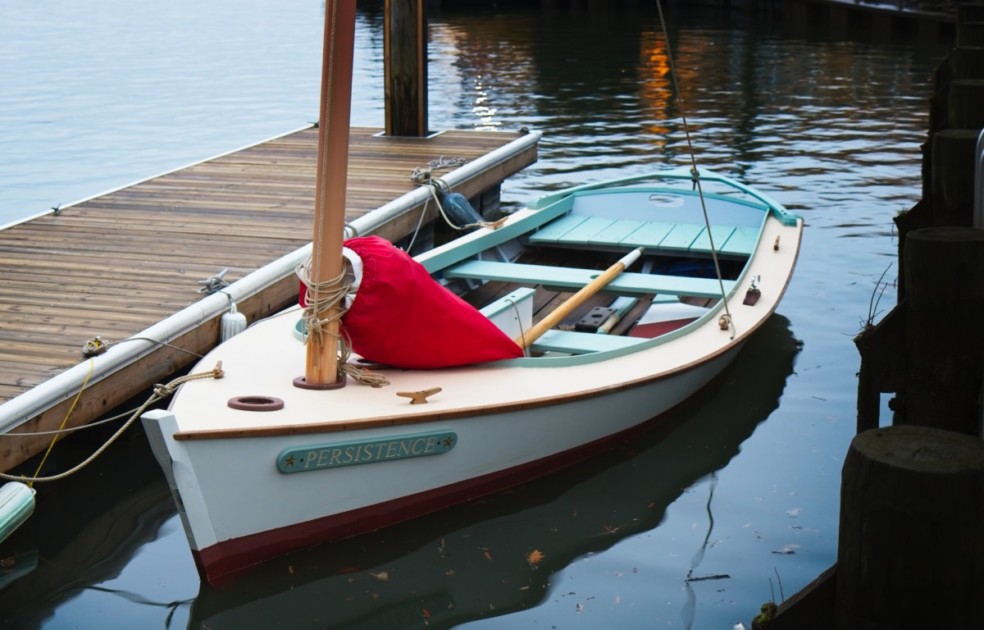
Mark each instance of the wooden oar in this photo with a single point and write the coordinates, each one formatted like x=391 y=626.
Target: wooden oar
x=526 y=339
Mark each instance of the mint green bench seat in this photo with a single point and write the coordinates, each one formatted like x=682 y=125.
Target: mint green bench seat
x=577 y=229
x=627 y=283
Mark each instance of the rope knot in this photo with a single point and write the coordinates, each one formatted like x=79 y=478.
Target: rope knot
x=94 y=347
x=213 y=284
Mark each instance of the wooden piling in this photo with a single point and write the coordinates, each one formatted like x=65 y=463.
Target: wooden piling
x=945 y=340
x=952 y=176
x=966 y=103
x=405 y=67
x=911 y=546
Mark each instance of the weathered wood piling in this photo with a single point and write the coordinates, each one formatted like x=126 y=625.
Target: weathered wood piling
x=947 y=202
x=405 y=67
x=911 y=545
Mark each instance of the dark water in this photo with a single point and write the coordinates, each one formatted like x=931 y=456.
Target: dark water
x=739 y=488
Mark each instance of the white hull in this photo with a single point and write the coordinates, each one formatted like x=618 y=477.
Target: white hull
x=506 y=421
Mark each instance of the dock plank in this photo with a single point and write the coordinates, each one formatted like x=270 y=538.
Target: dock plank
x=119 y=263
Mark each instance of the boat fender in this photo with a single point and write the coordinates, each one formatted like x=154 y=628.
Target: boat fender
x=232 y=323
x=459 y=210
x=16 y=504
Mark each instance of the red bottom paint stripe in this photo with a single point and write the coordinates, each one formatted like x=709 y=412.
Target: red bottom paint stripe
x=223 y=562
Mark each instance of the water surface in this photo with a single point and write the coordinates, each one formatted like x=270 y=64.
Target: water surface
x=740 y=489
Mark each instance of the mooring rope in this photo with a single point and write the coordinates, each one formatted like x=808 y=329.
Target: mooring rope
x=328 y=297
x=726 y=321
x=97 y=345
x=159 y=392
x=425 y=177
x=425 y=174
x=436 y=185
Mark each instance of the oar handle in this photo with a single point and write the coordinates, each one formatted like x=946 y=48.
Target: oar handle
x=526 y=339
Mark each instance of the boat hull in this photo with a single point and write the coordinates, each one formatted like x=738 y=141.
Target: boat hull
x=273 y=512
x=259 y=466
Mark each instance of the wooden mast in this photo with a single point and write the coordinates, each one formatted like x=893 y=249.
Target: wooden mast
x=321 y=369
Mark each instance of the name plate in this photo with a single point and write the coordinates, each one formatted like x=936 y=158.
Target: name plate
x=337 y=454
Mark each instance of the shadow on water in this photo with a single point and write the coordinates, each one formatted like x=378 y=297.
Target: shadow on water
x=85 y=528
x=496 y=556
x=483 y=559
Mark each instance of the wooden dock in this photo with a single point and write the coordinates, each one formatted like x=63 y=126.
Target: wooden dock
x=127 y=267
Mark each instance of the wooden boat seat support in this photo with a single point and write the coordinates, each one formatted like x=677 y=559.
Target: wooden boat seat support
x=677 y=238
x=627 y=283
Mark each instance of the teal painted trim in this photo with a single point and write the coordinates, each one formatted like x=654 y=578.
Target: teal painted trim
x=507 y=302
x=571 y=278
x=580 y=342
x=756 y=202
x=339 y=454
x=605 y=355
x=454 y=252
x=683 y=173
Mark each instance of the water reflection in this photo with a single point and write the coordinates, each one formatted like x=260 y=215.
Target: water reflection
x=498 y=556
x=830 y=126
x=690 y=608
x=85 y=530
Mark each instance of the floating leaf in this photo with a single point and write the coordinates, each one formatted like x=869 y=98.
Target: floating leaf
x=535 y=557
x=787 y=550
